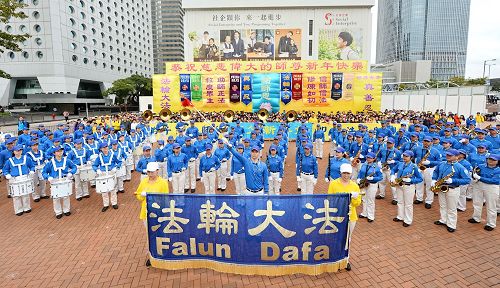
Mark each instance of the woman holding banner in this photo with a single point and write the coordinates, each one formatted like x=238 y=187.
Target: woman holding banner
x=152 y=183
x=344 y=184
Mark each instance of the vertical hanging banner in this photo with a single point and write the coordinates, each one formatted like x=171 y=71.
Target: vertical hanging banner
x=196 y=87
x=215 y=90
x=246 y=88
x=347 y=87
x=166 y=93
x=286 y=88
x=368 y=91
x=316 y=88
x=296 y=86
x=266 y=92
x=185 y=84
x=337 y=85
x=234 y=88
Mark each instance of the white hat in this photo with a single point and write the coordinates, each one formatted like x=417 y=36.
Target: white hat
x=346 y=168
x=152 y=167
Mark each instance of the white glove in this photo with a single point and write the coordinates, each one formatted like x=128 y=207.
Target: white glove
x=280 y=179
x=369 y=178
x=315 y=181
x=358 y=181
x=433 y=183
x=270 y=178
x=379 y=164
x=476 y=176
x=369 y=150
x=231 y=177
x=69 y=175
x=144 y=171
x=211 y=170
x=8 y=176
x=298 y=179
x=448 y=181
x=89 y=162
x=50 y=179
x=169 y=179
x=354 y=195
x=113 y=170
x=361 y=156
x=407 y=180
x=327 y=180
x=334 y=142
x=143 y=194
x=32 y=172
x=351 y=158
x=462 y=141
x=426 y=162
x=393 y=178
x=391 y=161
x=183 y=169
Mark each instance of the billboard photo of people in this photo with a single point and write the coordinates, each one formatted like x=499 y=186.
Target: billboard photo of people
x=204 y=46
x=260 y=44
x=335 y=44
x=288 y=44
x=232 y=46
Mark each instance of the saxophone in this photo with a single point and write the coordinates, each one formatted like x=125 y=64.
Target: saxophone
x=355 y=161
x=421 y=166
x=363 y=183
x=399 y=181
x=439 y=186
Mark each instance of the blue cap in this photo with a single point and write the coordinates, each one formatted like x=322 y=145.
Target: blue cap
x=204 y=134
x=188 y=138
x=114 y=142
x=273 y=147
x=408 y=153
x=494 y=156
x=18 y=147
x=370 y=155
x=308 y=146
x=34 y=132
x=339 y=125
x=208 y=147
x=413 y=134
x=358 y=134
x=90 y=137
x=79 y=141
x=176 y=145
x=446 y=141
x=240 y=146
x=481 y=145
x=435 y=138
x=462 y=151
x=246 y=140
x=452 y=152
x=390 y=140
x=455 y=129
x=464 y=136
x=104 y=133
x=492 y=128
x=447 y=130
x=371 y=131
x=161 y=142
x=132 y=131
x=57 y=140
x=170 y=138
x=381 y=135
x=401 y=130
x=65 y=129
x=191 y=121
x=428 y=138
x=253 y=133
x=481 y=131
x=256 y=148
x=340 y=149
x=10 y=140
x=146 y=147
x=103 y=144
x=220 y=141
x=32 y=143
x=237 y=121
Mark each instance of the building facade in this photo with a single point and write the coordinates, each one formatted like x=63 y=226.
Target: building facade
x=168 y=33
x=424 y=30
x=76 y=50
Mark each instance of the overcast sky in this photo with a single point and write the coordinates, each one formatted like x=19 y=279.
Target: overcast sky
x=484 y=38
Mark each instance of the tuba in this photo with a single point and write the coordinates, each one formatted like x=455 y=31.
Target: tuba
x=185 y=114
x=147 y=115
x=165 y=114
x=229 y=116
x=263 y=114
x=291 y=115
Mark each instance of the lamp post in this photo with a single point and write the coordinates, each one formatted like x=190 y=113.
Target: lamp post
x=484 y=65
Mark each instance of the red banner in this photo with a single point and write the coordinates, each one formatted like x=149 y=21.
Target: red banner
x=296 y=86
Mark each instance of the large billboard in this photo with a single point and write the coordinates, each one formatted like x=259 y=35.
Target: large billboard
x=277 y=34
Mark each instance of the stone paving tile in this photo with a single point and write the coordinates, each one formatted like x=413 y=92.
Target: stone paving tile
x=94 y=249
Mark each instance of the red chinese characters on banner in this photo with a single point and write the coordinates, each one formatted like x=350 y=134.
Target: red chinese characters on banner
x=316 y=89
x=215 y=90
x=165 y=91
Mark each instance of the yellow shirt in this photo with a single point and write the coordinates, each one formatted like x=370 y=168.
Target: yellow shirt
x=479 y=118
x=336 y=186
x=116 y=124
x=159 y=186
x=313 y=120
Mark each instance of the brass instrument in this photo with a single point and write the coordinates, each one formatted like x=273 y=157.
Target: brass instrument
x=476 y=171
x=263 y=114
x=355 y=161
x=439 y=186
x=421 y=166
x=291 y=115
x=165 y=114
x=399 y=181
x=147 y=115
x=185 y=114
x=363 y=183
x=229 y=115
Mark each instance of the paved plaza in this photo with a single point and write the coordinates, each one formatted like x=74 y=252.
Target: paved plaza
x=95 y=249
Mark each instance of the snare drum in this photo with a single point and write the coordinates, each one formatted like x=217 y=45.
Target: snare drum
x=121 y=171
x=61 y=188
x=86 y=173
x=105 y=183
x=20 y=186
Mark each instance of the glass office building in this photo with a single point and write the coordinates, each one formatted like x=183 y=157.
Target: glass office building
x=436 y=30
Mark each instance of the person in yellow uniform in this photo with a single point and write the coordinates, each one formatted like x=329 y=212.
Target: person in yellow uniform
x=152 y=183
x=116 y=123
x=344 y=184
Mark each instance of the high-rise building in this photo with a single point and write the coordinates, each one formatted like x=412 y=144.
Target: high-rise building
x=168 y=33
x=76 y=50
x=434 y=30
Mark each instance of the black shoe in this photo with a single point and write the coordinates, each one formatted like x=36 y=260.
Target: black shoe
x=121 y=191
x=115 y=206
x=222 y=190
x=397 y=219
x=451 y=230
x=92 y=186
x=186 y=190
x=298 y=189
x=36 y=200
x=45 y=197
x=488 y=228
x=27 y=211
x=379 y=197
x=218 y=189
x=8 y=196
x=79 y=199
x=348 y=267
x=19 y=214
x=460 y=210
x=394 y=202
x=198 y=179
x=148 y=263
x=418 y=202
x=227 y=179
x=472 y=220
x=193 y=190
x=428 y=206
x=86 y=196
x=59 y=216
x=405 y=225
x=370 y=220
x=104 y=208
x=67 y=214
x=361 y=216
x=468 y=199
x=439 y=223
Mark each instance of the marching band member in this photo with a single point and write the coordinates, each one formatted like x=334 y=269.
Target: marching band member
x=487 y=177
x=161 y=158
x=192 y=131
x=387 y=160
x=465 y=145
x=357 y=152
x=145 y=159
x=200 y=151
x=344 y=184
x=370 y=175
x=38 y=158
x=462 y=205
x=128 y=149
x=58 y=168
x=19 y=165
x=181 y=138
x=177 y=163
x=401 y=139
x=224 y=156
x=107 y=162
x=412 y=144
x=274 y=164
x=190 y=151
x=454 y=175
x=122 y=158
x=208 y=164
x=480 y=139
x=256 y=173
x=406 y=174
x=334 y=163
x=93 y=149
x=80 y=157
x=333 y=134
x=494 y=139
x=319 y=140
x=238 y=172
x=307 y=170
x=428 y=158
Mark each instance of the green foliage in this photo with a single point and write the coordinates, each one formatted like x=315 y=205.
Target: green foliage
x=135 y=85
x=8 y=10
x=459 y=80
x=328 y=48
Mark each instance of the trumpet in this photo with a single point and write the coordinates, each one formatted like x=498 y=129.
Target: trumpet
x=165 y=114
x=185 y=114
x=229 y=115
x=147 y=115
x=291 y=115
x=263 y=114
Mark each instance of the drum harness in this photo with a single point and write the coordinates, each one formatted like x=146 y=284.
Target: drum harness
x=18 y=166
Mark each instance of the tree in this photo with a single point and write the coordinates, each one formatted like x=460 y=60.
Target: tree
x=130 y=89
x=459 y=80
x=10 y=41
